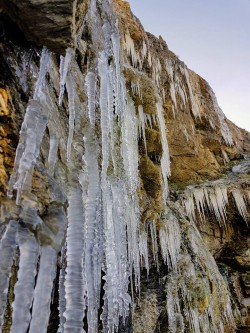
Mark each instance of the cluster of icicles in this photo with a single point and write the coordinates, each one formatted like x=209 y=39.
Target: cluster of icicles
x=103 y=248
x=101 y=243
x=214 y=198
x=179 y=85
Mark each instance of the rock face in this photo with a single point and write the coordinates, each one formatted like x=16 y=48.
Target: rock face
x=51 y=23
x=126 y=191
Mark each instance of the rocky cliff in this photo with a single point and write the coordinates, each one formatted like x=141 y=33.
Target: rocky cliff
x=124 y=189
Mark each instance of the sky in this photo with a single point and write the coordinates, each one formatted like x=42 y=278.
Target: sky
x=213 y=38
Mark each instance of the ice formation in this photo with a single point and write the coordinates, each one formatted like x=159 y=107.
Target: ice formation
x=213 y=197
x=194 y=102
x=240 y=203
x=225 y=130
x=170 y=240
x=102 y=246
x=165 y=160
x=187 y=293
x=7 y=248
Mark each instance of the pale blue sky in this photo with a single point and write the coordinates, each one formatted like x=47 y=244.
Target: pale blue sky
x=213 y=38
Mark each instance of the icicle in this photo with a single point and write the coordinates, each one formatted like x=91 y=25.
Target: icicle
x=240 y=204
x=43 y=290
x=153 y=234
x=115 y=37
x=144 y=50
x=170 y=69
x=165 y=160
x=44 y=66
x=24 y=287
x=225 y=130
x=170 y=240
x=131 y=51
x=143 y=248
x=92 y=239
x=53 y=148
x=91 y=92
x=74 y=280
x=61 y=290
x=173 y=97
x=149 y=59
x=222 y=200
x=181 y=91
x=199 y=197
x=34 y=126
x=62 y=300
x=136 y=90
x=117 y=300
x=217 y=208
x=194 y=103
x=142 y=125
x=132 y=218
x=103 y=73
x=7 y=250
x=156 y=67
x=71 y=90
x=64 y=68
x=31 y=135
x=130 y=153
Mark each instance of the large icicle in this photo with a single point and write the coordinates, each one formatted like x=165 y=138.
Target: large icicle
x=194 y=103
x=142 y=125
x=71 y=89
x=31 y=135
x=64 y=68
x=116 y=298
x=93 y=243
x=24 y=287
x=240 y=203
x=74 y=281
x=130 y=144
x=170 y=240
x=165 y=159
x=7 y=250
x=143 y=247
x=53 y=148
x=91 y=92
x=61 y=290
x=44 y=66
x=43 y=291
x=224 y=128
x=105 y=121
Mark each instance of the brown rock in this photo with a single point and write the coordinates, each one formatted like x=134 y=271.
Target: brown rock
x=48 y=22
